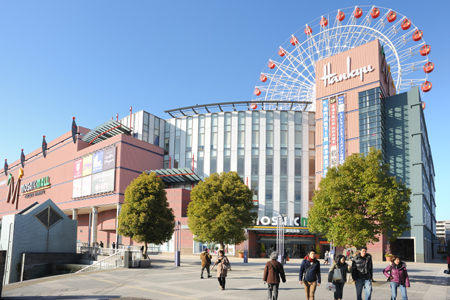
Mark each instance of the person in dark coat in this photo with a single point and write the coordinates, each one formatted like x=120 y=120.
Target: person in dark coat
x=114 y=245
x=398 y=276
x=206 y=262
x=272 y=273
x=310 y=274
x=448 y=263
x=340 y=264
x=362 y=273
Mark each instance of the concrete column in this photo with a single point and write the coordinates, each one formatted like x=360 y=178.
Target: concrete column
x=94 y=226
x=74 y=214
x=118 y=237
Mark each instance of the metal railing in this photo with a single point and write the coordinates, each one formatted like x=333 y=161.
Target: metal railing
x=111 y=262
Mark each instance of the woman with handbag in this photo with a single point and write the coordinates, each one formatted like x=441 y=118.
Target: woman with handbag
x=398 y=276
x=338 y=274
x=223 y=265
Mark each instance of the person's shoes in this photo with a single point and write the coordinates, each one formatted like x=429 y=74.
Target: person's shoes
x=209 y=276
x=221 y=288
x=201 y=277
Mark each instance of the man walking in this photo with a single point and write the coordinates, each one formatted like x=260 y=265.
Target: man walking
x=206 y=262
x=272 y=273
x=310 y=274
x=362 y=273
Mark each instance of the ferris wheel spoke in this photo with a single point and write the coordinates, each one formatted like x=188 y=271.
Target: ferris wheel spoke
x=291 y=58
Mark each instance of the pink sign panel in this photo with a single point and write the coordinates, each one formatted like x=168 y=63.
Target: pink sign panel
x=78 y=168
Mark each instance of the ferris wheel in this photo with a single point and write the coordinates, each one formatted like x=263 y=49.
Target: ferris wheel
x=290 y=74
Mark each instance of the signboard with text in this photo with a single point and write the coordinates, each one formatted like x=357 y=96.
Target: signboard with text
x=86 y=186
x=103 y=182
x=325 y=137
x=97 y=162
x=78 y=168
x=87 y=165
x=109 y=159
x=76 y=191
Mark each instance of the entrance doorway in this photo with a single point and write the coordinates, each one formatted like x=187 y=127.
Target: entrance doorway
x=298 y=250
x=404 y=248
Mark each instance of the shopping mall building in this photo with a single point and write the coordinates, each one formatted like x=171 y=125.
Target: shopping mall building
x=280 y=152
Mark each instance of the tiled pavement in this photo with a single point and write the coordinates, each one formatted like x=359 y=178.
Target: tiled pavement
x=165 y=281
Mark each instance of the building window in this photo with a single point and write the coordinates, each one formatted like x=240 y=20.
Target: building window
x=145 y=127
x=188 y=147
x=255 y=143
x=201 y=145
x=214 y=134
x=166 y=145
x=283 y=196
x=176 y=160
x=269 y=143
x=241 y=144
x=227 y=143
x=268 y=210
x=156 y=137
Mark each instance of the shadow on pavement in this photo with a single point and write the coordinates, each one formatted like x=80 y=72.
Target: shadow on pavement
x=64 y=297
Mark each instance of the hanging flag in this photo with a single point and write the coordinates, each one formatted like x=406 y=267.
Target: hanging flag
x=74 y=130
x=44 y=146
x=10 y=188
x=22 y=159
x=5 y=168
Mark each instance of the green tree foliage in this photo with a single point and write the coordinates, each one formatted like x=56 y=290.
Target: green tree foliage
x=358 y=200
x=145 y=216
x=220 y=209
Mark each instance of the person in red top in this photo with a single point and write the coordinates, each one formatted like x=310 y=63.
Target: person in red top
x=448 y=263
x=398 y=276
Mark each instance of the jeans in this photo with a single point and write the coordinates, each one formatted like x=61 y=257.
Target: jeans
x=394 y=286
x=221 y=281
x=367 y=284
x=310 y=289
x=272 y=287
x=207 y=270
x=339 y=290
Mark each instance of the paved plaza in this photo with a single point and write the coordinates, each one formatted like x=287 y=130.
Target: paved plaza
x=165 y=281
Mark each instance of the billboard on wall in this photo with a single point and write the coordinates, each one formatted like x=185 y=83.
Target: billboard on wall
x=97 y=162
x=325 y=137
x=78 y=168
x=87 y=165
x=103 y=182
x=333 y=132
x=86 y=186
x=109 y=159
x=341 y=109
x=76 y=191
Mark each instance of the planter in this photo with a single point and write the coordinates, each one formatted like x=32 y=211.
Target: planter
x=262 y=255
x=317 y=256
x=388 y=258
x=241 y=254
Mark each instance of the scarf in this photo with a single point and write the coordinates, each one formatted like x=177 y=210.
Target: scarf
x=309 y=259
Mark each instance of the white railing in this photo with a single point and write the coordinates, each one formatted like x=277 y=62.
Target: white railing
x=113 y=261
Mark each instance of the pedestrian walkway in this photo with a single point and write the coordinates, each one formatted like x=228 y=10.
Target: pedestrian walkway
x=165 y=281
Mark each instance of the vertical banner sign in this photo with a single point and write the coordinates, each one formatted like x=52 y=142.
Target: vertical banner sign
x=87 y=165
x=341 y=108
x=109 y=158
x=325 y=137
x=97 y=163
x=333 y=132
x=78 y=168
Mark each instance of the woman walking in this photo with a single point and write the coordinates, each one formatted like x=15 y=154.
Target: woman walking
x=326 y=258
x=339 y=266
x=398 y=276
x=223 y=265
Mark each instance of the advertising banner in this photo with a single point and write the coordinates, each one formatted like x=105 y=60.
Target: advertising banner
x=86 y=186
x=76 y=192
x=78 y=168
x=341 y=120
x=103 y=182
x=325 y=137
x=87 y=165
x=333 y=132
x=97 y=163
x=109 y=159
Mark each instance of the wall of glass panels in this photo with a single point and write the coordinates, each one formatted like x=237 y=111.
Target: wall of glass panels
x=214 y=139
x=241 y=144
x=227 y=143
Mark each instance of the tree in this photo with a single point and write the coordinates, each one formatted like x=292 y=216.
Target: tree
x=145 y=216
x=358 y=200
x=220 y=210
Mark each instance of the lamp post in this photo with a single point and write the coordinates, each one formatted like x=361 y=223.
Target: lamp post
x=177 y=242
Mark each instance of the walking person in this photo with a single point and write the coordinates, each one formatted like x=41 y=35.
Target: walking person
x=362 y=273
x=397 y=274
x=326 y=257
x=206 y=262
x=310 y=274
x=448 y=264
x=285 y=256
x=272 y=273
x=223 y=265
x=339 y=268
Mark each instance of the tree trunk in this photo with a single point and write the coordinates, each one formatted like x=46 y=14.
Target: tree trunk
x=144 y=251
x=222 y=246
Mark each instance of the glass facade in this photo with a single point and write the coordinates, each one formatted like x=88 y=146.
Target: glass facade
x=371 y=121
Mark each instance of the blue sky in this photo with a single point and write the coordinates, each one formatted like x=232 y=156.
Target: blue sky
x=93 y=59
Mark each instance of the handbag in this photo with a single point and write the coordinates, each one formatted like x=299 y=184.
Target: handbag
x=337 y=275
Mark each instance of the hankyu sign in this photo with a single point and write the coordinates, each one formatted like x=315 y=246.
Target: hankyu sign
x=330 y=78
x=266 y=221
x=42 y=183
